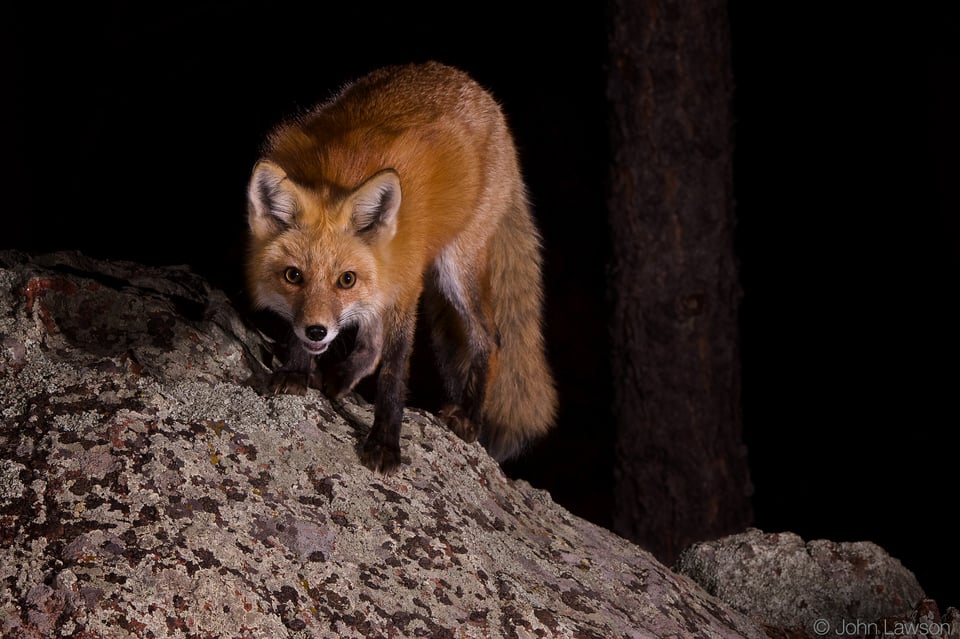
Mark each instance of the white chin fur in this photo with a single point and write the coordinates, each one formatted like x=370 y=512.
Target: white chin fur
x=314 y=348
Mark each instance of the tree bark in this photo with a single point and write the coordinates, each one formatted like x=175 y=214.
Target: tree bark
x=681 y=472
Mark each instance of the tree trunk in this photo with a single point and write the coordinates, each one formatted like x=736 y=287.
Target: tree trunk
x=681 y=469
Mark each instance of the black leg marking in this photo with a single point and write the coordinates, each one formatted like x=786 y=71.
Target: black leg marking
x=380 y=451
x=294 y=376
x=464 y=342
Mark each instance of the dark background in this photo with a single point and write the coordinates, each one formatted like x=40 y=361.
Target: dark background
x=129 y=132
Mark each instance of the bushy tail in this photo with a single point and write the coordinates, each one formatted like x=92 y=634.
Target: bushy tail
x=521 y=401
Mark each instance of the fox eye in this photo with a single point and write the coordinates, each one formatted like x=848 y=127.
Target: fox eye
x=347 y=279
x=293 y=275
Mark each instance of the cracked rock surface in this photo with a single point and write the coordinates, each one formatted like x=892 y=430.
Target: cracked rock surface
x=810 y=588
x=145 y=491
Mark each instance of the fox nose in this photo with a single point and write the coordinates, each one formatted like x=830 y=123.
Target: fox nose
x=316 y=333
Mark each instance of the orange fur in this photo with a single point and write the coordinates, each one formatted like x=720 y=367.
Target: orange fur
x=408 y=180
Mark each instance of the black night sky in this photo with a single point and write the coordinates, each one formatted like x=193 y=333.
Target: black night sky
x=129 y=132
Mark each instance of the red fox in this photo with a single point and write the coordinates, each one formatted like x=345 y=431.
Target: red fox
x=406 y=183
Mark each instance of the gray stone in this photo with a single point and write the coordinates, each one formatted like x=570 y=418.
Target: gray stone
x=815 y=587
x=145 y=491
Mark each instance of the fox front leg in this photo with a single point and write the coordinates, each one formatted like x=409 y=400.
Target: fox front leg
x=380 y=451
x=295 y=375
x=362 y=361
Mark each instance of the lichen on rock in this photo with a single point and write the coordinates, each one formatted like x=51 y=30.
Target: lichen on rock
x=813 y=587
x=146 y=491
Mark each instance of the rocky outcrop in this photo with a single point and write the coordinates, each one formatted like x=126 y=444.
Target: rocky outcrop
x=795 y=588
x=146 y=491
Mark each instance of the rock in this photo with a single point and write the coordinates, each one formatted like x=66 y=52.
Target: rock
x=805 y=589
x=924 y=622
x=145 y=491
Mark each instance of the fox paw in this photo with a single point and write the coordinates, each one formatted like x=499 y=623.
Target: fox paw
x=289 y=382
x=380 y=457
x=459 y=423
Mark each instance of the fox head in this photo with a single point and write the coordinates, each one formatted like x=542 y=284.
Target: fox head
x=313 y=252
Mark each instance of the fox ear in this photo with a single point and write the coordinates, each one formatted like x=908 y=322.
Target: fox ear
x=272 y=205
x=375 y=204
